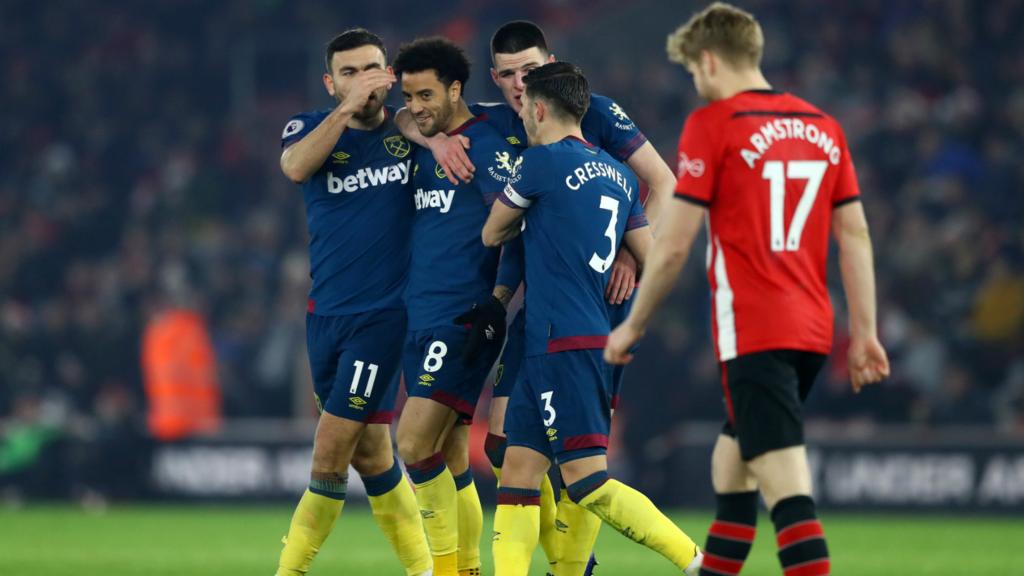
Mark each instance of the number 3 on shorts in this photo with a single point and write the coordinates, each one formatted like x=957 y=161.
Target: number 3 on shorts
x=435 y=356
x=549 y=410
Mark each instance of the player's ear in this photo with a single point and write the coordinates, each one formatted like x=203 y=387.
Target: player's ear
x=389 y=69
x=540 y=111
x=455 y=91
x=551 y=58
x=707 y=60
x=494 y=77
x=329 y=84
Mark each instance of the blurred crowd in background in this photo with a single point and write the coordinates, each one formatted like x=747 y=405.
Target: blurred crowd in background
x=140 y=175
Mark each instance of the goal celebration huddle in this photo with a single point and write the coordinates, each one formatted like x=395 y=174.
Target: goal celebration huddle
x=424 y=222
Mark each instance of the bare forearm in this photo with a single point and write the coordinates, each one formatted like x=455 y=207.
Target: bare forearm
x=407 y=126
x=302 y=159
x=856 y=266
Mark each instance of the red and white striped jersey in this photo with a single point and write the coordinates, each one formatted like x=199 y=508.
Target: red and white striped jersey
x=770 y=168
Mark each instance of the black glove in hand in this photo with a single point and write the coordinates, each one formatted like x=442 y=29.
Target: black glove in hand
x=486 y=322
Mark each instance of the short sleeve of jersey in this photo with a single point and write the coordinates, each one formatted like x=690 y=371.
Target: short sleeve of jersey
x=846 y=188
x=607 y=126
x=698 y=160
x=530 y=185
x=298 y=126
x=637 y=217
x=500 y=163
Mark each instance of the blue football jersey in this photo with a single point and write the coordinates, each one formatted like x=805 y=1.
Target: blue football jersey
x=605 y=125
x=451 y=268
x=580 y=202
x=359 y=215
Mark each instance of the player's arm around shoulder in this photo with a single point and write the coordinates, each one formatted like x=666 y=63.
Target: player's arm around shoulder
x=448 y=151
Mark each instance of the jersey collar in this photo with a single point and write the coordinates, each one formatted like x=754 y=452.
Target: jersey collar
x=462 y=128
x=580 y=140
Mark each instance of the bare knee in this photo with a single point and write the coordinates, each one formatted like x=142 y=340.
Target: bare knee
x=333 y=446
x=456 y=450
x=413 y=447
x=782 y=474
x=524 y=468
x=729 y=473
x=373 y=454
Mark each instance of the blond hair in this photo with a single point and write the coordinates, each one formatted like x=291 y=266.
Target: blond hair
x=730 y=32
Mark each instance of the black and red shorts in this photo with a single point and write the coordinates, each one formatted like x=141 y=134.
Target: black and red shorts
x=764 y=397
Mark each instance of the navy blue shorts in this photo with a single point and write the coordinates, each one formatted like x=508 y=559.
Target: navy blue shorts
x=511 y=363
x=434 y=368
x=562 y=405
x=354 y=360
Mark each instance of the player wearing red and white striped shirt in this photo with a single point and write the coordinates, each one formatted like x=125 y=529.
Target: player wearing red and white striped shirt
x=771 y=176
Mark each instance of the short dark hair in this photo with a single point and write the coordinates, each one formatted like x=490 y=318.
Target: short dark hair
x=563 y=86
x=351 y=39
x=436 y=53
x=517 y=36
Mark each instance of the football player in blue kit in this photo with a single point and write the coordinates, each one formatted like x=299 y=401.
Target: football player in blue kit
x=518 y=47
x=446 y=363
x=355 y=171
x=579 y=204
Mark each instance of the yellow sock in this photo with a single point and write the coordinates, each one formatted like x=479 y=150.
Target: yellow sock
x=548 y=535
x=398 y=516
x=575 y=537
x=516 y=530
x=311 y=523
x=636 y=518
x=439 y=509
x=471 y=524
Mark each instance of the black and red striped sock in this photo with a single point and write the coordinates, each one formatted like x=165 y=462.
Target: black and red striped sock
x=801 y=540
x=731 y=534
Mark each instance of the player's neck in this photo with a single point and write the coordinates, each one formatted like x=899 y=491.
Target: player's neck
x=461 y=116
x=371 y=124
x=742 y=81
x=558 y=132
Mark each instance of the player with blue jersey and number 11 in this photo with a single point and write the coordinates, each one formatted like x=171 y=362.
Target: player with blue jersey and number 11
x=354 y=170
x=580 y=205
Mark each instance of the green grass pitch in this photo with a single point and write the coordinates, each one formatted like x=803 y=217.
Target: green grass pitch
x=228 y=541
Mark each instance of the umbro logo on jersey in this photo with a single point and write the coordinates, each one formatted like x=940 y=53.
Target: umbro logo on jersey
x=513 y=141
x=434 y=199
x=397 y=146
x=367 y=177
x=340 y=157
x=695 y=167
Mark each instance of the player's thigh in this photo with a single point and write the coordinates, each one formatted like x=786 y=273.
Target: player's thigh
x=729 y=473
x=366 y=377
x=763 y=391
x=435 y=370
x=782 y=473
x=323 y=347
x=423 y=427
x=496 y=416
x=575 y=470
x=334 y=443
x=373 y=454
x=524 y=467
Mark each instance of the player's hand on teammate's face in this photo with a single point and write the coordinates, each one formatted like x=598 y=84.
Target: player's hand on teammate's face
x=620 y=341
x=450 y=153
x=363 y=85
x=868 y=363
x=623 y=280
